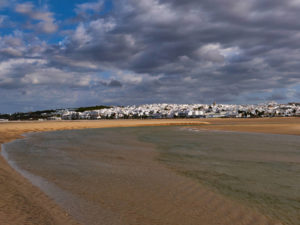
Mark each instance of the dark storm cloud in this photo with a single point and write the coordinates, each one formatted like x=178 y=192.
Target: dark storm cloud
x=164 y=50
x=277 y=97
x=208 y=40
x=115 y=83
x=112 y=83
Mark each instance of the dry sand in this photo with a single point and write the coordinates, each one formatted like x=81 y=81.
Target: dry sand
x=275 y=125
x=22 y=203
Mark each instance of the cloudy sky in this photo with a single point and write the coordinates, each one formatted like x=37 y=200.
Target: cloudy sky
x=63 y=53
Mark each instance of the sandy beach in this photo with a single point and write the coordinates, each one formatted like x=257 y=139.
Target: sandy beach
x=23 y=203
x=275 y=125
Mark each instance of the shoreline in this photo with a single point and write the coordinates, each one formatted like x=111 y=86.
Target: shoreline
x=274 y=125
x=24 y=203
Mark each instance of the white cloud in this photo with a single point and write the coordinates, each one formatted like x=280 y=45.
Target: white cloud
x=134 y=78
x=102 y=25
x=8 y=66
x=14 y=45
x=47 y=22
x=54 y=76
x=89 y=6
x=153 y=11
x=294 y=3
x=81 y=37
x=76 y=63
x=24 y=8
x=86 y=33
x=214 y=52
x=211 y=52
x=11 y=51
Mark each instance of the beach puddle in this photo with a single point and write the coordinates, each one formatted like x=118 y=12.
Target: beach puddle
x=151 y=175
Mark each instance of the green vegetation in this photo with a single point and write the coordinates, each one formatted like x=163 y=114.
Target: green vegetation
x=28 y=115
x=97 y=107
x=46 y=114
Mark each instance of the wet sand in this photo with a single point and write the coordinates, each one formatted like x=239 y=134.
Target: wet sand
x=22 y=203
